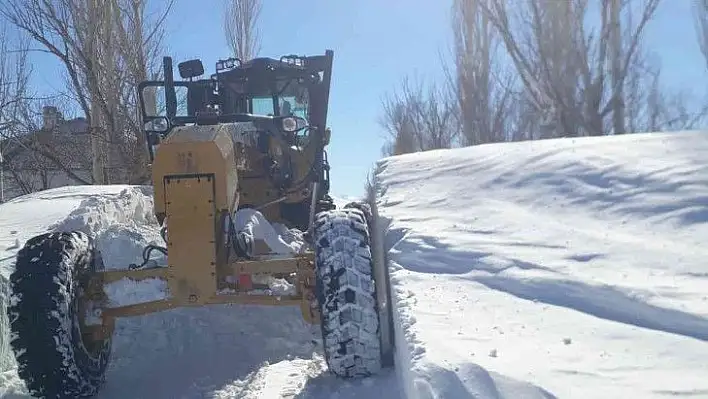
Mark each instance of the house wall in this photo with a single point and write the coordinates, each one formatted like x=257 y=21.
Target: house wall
x=27 y=170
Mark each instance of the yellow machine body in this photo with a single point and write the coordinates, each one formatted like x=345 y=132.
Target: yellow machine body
x=196 y=190
x=192 y=151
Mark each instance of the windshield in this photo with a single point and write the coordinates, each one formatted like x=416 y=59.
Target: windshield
x=154 y=100
x=287 y=105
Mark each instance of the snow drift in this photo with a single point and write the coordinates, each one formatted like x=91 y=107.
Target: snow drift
x=560 y=268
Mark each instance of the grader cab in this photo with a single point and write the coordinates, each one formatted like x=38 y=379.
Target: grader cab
x=229 y=153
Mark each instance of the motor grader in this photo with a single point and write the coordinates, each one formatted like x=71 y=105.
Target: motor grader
x=249 y=138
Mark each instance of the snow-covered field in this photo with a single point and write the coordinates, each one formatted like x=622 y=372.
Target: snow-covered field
x=562 y=268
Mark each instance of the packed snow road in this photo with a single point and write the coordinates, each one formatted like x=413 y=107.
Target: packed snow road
x=216 y=352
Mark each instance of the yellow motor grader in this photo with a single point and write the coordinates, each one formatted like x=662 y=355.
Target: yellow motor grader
x=249 y=138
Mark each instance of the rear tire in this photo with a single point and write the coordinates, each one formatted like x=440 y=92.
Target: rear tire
x=47 y=285
x=346 y=293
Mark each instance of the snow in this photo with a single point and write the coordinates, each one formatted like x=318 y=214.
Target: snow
x=342 y=200
x=559 y=268
x=29 y=215
x=252 y=223
x=276 y=286
x=220 y=351
x=126 y=292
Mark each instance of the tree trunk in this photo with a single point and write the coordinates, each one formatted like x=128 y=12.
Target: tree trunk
x=618 y=122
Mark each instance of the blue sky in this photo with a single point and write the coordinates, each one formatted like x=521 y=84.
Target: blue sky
x=376 y=43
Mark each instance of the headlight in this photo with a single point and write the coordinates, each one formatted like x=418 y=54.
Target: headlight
x=289 y=124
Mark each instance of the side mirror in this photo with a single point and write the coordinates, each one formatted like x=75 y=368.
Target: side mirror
x=190 y=69
x=326 y=136
x=293 y=123
x=159 y=124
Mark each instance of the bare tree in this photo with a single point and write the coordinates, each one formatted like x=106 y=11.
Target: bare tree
x=41 y=153
x=14 y=77
x=651 y=107
x=28 y=162
x=140 y=42
x=574 y=74
x=485 y=88
x=241 y=27
x=399 y=127
x=105 y=48
x=418 y=121
x=701 y=13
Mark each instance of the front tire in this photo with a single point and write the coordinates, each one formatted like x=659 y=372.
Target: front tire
x=346 y=293
x=55 y=360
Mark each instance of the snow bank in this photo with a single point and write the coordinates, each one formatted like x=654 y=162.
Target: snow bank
x=570 y=268
x=121 y=225
x=24 y=217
